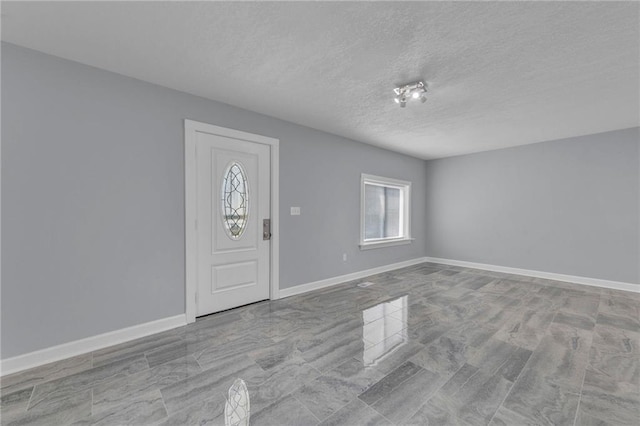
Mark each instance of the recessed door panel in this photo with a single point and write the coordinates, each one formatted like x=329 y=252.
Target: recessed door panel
x=228 y=277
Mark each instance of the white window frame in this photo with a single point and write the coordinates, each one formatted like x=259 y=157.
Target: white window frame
x=402 y=185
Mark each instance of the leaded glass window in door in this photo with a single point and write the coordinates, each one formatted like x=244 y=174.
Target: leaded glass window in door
x=235 y=200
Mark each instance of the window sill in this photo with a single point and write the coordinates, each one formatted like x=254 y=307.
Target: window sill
x=388 y=243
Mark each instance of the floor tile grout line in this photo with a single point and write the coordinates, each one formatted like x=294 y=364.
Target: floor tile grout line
x=524 y=367
x=33 y=390
x=584 y=374
x=306 y=408
x=395 y=387
x=164 y=405
x=381 y=415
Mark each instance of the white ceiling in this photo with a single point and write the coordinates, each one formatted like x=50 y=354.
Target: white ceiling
x=500 y=74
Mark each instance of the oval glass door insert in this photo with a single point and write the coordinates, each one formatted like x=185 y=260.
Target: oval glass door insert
x=235 y=200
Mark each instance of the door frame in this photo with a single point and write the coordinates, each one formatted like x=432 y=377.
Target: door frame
x=191 y=129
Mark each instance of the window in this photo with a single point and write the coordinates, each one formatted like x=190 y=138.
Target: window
x=235 y=200
x=384 y=205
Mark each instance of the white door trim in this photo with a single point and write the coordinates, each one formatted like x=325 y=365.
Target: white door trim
x=191 y=128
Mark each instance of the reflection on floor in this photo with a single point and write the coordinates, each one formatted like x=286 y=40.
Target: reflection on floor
x=384 y=330
x=429 y=344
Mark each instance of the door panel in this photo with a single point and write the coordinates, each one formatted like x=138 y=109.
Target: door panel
x=233 y=198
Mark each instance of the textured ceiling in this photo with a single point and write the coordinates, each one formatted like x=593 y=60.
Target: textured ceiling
x=500 y=74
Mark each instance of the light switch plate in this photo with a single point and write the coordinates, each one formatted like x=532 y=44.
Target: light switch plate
x=295 y=211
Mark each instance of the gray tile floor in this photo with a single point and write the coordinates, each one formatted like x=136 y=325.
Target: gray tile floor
x=429 y=344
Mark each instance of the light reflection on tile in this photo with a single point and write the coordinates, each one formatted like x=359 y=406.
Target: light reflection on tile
x=388 y=332
x=425 y=343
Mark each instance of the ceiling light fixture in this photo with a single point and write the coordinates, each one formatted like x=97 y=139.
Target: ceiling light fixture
x=417 y=90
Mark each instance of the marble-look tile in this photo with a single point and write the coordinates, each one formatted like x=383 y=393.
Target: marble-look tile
x=506 y=287
x=403 y=401
x=473 y=282
x=416 y=313
x=356 y=413
x=286 y=412
x=540 y=401
x=498 y=357
x=536 y=302
x=329 y=353
x=327 y=394
x=585 y=305
x=619 y=320
x=15 y=402
x=447 y=273
x=381 y=329
x=575 y=320
x=203 y=386
x=466 y=337
x=167 y=353
x=494 y=314
x=60 y=389
x=225 y=351
x=583 y=419
x=472 y=333
x=445 y=356
x=45 y=373
x=618 y=366
x=470 y=397
x=220 y=326
x=620 y=305
x=268 y=387
x=611 y=400
x=275 y=354
x=506 y=417
x=207 y=412
x=427 y=333
x=334 y=329
x=142 y=409
x=357 y=375
x=561 y=357
x=526 y=328
x=550 y=292
x=617 y=339
x=54 y=411
x=108 y=395
x=385 y=385
x=133 y=348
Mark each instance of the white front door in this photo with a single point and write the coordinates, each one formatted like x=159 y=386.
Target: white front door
x=233 y=200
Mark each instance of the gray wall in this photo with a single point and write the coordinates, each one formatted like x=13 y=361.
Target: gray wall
x=569 y=206
x=93 y=199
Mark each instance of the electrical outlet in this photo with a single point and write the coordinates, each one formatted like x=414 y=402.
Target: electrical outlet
x=344 y=257
x=295 y=211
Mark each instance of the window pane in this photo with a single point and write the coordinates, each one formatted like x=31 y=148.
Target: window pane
x=235 y=200
x=382 y=212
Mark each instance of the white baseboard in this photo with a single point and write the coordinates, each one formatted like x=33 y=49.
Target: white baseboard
x=89 y=344
x=316 y=285
x=594 y=282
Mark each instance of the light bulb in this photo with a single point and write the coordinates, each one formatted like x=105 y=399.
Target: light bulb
x=396 y=100
x=415 y=95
